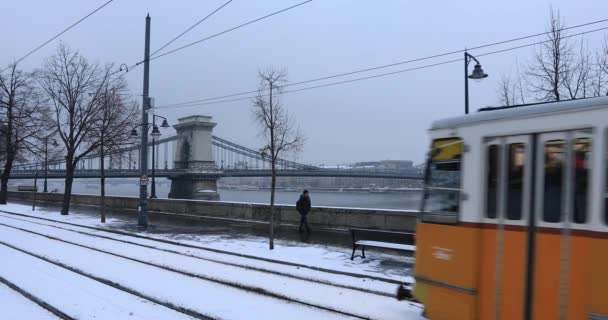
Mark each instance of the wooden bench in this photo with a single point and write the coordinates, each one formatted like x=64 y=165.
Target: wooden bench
x=362 y=238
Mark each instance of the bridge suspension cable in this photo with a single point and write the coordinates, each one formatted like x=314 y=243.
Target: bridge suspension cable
x=223 y=144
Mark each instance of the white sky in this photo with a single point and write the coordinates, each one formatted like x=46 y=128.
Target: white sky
x=384 y=118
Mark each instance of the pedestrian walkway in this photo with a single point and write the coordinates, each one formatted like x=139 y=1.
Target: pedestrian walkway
x=323 y=248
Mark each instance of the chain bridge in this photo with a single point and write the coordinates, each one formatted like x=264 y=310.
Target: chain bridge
x=194 y=159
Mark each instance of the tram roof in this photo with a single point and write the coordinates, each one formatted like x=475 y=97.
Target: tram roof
x=535 y=109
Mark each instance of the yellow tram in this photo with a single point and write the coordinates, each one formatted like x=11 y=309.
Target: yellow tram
x=514 y=220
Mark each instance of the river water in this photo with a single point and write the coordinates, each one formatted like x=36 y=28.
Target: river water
x=130 y=188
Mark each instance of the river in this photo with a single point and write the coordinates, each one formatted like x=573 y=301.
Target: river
x=407 y=201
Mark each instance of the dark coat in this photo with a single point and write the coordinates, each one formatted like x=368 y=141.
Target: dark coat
x=303 y=205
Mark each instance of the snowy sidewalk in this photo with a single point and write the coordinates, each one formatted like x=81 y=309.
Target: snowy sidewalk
x=394 y=266
x=209 y=284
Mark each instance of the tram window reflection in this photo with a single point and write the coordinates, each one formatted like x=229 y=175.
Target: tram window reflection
x=443 y=188
x=492 y=182
x=553 y=188
x=582 y=154
x=515 y=183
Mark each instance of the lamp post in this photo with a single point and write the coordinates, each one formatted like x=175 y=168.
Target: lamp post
x=477 y=74
x=46 y=158
x=155 y=134
x=142 y=215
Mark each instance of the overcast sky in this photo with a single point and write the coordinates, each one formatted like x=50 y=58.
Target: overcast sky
x=377 y=119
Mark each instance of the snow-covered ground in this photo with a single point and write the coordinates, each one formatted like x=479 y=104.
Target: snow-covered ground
x=158 y=278
x=16 y=306
x=317 y=255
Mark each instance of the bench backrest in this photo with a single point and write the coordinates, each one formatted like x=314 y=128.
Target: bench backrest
x=385 y=236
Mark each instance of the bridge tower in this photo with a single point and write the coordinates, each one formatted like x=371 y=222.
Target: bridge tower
x=196 y=173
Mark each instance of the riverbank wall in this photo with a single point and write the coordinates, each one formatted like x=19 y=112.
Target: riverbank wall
x=286 y=215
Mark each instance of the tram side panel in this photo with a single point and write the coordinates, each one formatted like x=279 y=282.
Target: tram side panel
x=598 y=275
x=506 y=263
x=446 y=270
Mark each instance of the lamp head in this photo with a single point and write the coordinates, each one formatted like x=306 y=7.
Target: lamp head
x=164 y=124
x=134 y=133
x=478 y=73
x=155 y=132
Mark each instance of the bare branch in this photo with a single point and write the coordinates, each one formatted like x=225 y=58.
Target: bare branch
x=553 y=62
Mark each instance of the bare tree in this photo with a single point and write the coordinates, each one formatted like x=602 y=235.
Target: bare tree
x=599 y=75
x=510 y=89
x=24 y=117
x=552 y=63
x=577 y=78
x=75 y=88
x=507 y=91
x=112 y=128
x=276 y=127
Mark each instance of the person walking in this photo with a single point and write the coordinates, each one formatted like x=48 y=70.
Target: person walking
x=303 y=207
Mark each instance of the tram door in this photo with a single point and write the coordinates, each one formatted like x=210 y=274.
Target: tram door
x=536 y=195
x=561 y=204
x=508 y=185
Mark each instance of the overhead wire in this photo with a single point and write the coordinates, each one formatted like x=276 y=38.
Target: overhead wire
x=393 y=64
x=131 y=67
x=228 y=30
x=381 y=74
x=59 y=34
x=190 y=28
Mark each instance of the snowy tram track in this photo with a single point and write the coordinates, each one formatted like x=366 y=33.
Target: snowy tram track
x=72 y=295
x=10 y=299
x=114 y=285
x=143 y=295
x=315 y=297
x=386 y=290
x=213 y=250
x=259 y=284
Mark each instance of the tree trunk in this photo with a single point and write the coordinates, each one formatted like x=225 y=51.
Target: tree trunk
x=35 y=189
x=8 y=166
x=103 y=184
x=272 y=188
x=10 y=150
x=4 y=188
x=67 y=193
x=273 y=169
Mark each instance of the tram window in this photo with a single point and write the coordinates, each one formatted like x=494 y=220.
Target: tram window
x=515 y=183
x=553 y=189
x=582 y=153
x=443 y=182
x=492 y=183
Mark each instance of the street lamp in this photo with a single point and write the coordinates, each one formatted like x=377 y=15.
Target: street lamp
x=155 y=134
x=46 y=158
x=477 y=74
